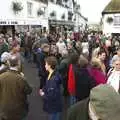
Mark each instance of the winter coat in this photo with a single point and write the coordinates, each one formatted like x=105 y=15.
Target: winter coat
x=41 y=63
x=13 y=96
x=105 y=102
x=114 y=80
x=53 y=98
x=84 y=82
x=98 y=76
x=79 y=111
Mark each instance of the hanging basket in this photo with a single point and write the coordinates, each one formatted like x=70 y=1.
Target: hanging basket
x=53 y=14
x=40 y=12
x=17 y=7
x=109 y=20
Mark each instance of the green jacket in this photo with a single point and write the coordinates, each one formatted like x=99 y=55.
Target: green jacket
x=105 y=101
x=13 y=95
x=79 y=111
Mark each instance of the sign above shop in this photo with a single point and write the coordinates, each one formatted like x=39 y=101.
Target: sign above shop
x=20 y=22
x=8 y=23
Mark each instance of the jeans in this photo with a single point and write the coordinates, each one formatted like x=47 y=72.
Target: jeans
x=72 y=100
x=54 y=116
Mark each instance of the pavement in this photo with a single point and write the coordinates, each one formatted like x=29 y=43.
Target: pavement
x=35 y=101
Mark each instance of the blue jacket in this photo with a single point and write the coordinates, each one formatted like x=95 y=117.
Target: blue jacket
x=53 y=97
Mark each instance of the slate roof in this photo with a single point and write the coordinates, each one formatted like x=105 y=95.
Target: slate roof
x=112 y=7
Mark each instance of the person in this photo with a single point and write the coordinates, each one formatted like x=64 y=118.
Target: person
x=4 y=62
x=14 y=90
x=96 y=72
x=63 y=70
x=71 y=85
x=61 y=45
x=84 y=82
x=114 y=76
x=42 y=53
x=3 y=46
x=117 y=56
x=103 y=104
x=101 y=59
x=51 y=92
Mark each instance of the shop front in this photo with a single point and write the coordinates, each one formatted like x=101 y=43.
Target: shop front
x=58 y=26
x=9 y=25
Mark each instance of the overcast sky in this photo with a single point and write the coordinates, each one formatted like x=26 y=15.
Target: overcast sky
x=92 y=9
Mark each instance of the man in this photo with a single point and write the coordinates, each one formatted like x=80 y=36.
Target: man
x=41 y=55
x=13 y=93
x=103 y=104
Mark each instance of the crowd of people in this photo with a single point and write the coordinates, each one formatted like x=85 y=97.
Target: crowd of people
x=85 y=69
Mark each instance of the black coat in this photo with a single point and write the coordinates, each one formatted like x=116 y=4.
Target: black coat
x=84 y=83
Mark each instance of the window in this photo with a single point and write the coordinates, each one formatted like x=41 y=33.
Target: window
x=29 y=8
x=116 y=20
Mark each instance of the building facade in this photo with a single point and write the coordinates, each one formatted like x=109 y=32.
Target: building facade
x=60 y=15
x=43 y=15
x=111 y=18
x=23 y=14
x=80 y=22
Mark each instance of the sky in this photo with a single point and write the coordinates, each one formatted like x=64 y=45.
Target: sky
x=92 y=9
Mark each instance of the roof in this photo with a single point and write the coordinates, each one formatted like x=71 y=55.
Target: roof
x=112 y=7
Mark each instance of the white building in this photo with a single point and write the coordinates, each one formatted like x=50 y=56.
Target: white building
x=60 y=14
x=23 y=14
x=111 y=18
x=79 y=20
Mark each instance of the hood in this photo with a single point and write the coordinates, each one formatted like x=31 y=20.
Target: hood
x=106 y=102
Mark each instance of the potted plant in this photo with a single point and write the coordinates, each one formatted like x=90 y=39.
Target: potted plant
x=40 y=12
x=52 y=14
x=109 y=20
x=17 y=7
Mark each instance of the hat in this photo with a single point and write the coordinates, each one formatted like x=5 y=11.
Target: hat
x=5 y=56
x=106 y=102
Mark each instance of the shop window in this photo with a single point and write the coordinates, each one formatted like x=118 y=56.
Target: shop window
x=29 y=8
x=116 y=20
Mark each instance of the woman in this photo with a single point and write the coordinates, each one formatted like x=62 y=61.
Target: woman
x=114 y=77
x=84 y=82
x=96 y=72
x=51 y=92
x=71 y=77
